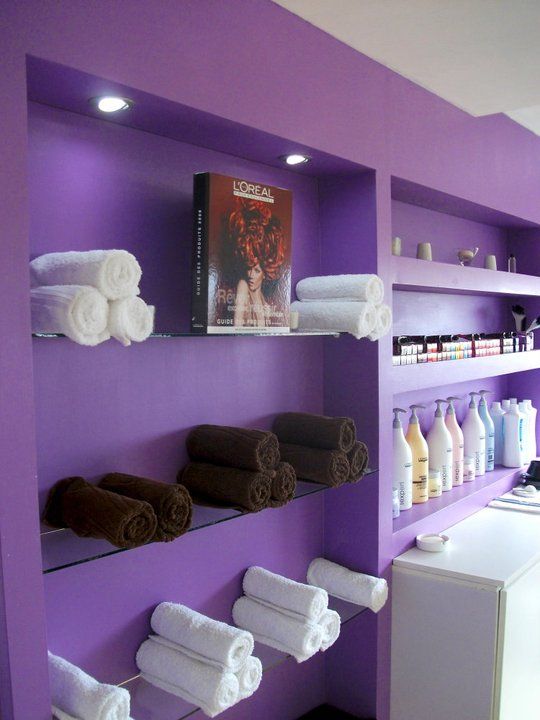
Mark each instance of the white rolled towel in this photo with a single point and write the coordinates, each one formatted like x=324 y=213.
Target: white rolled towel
x=209 y=688
x=383 y=322
x=249 y=677
x=130 y=319
x=341 y=288
x=353 y=587
x=277 y=630
x=201 y=637
x=78 y=311
x=356 y=318
x=304 y=602
x=78 y=694
x=331 y=626
x=115 y=273
x=61 y=715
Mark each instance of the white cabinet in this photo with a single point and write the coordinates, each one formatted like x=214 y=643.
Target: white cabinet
x=466 y=623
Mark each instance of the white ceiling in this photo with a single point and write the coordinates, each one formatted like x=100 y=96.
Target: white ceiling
x=481 y=55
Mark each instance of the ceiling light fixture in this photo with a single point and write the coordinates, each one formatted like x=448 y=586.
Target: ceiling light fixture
x=295 y=159
x=111 y=103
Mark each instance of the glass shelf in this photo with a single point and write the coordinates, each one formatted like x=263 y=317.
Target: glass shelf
x=151 y=703
x=293 y=333
x=62 y=548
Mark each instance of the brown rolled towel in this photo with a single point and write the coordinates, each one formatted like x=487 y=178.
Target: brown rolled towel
x=317 y=431
x=358 y=460
x=226 y=486
x=283 y=485
x=256 y=450
x=330 y=467
x=171 y=503
x=93 y=512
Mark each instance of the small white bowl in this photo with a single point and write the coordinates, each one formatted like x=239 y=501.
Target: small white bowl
x=432 y=542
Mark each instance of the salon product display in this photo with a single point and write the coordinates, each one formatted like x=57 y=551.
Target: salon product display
x=402 y=472
x=486 y=438
x=89 y=297
x=343 y=303
x=76 y=694
x=440 y=452
x=420 y=459
x=91 y=511
x=458 y=443
x=414 y=349
x=242 y=241
x=170 y=502
x=204 y=661
x=287 y=615
x=348 y=585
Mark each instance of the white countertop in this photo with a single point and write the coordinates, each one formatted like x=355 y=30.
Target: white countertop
x=492 y=547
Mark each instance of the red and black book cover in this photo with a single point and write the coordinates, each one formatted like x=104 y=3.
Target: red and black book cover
x=241 y=256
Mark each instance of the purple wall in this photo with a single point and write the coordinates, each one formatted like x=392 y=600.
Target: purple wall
x=92 y=183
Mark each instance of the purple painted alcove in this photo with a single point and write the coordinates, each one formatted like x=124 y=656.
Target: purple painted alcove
x=482 y=168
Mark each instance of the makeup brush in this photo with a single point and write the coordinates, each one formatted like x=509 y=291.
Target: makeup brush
x=518 y=311
x=534 y=325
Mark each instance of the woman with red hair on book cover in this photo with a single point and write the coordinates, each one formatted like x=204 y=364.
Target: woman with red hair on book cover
x=259 y=244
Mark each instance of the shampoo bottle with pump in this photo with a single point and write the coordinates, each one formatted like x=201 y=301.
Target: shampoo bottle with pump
x=440 y=448
x=420 y=455
x=497 y=415
x=457 y=442
x=531 y=411
x=513 y=433
x=474 y=435
x=402 y=479
x=485 y=417
x=526 y=437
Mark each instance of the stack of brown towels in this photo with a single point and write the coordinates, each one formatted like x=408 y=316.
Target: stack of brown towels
x=321 y=449
x=236 y=467
x=126 y=510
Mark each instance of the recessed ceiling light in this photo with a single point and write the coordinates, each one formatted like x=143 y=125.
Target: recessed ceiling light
x=295 y=159
x=111 y=103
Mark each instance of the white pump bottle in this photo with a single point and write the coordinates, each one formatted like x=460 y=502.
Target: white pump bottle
x=402 y=478
x=420 y=456
x=440 y=446
x=497 y=415
x=531 y=411
x=485 y=417
x=513 y=434
x=474 y=435
x=457 y=441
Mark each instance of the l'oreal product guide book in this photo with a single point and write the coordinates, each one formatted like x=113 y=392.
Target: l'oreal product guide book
x=241 y=263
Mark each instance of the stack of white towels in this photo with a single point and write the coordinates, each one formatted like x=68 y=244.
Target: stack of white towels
x=203 y=661
x=343 y=303
x=354 y=587
x=77 y=696
x=89 y=297
x=286 y=615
